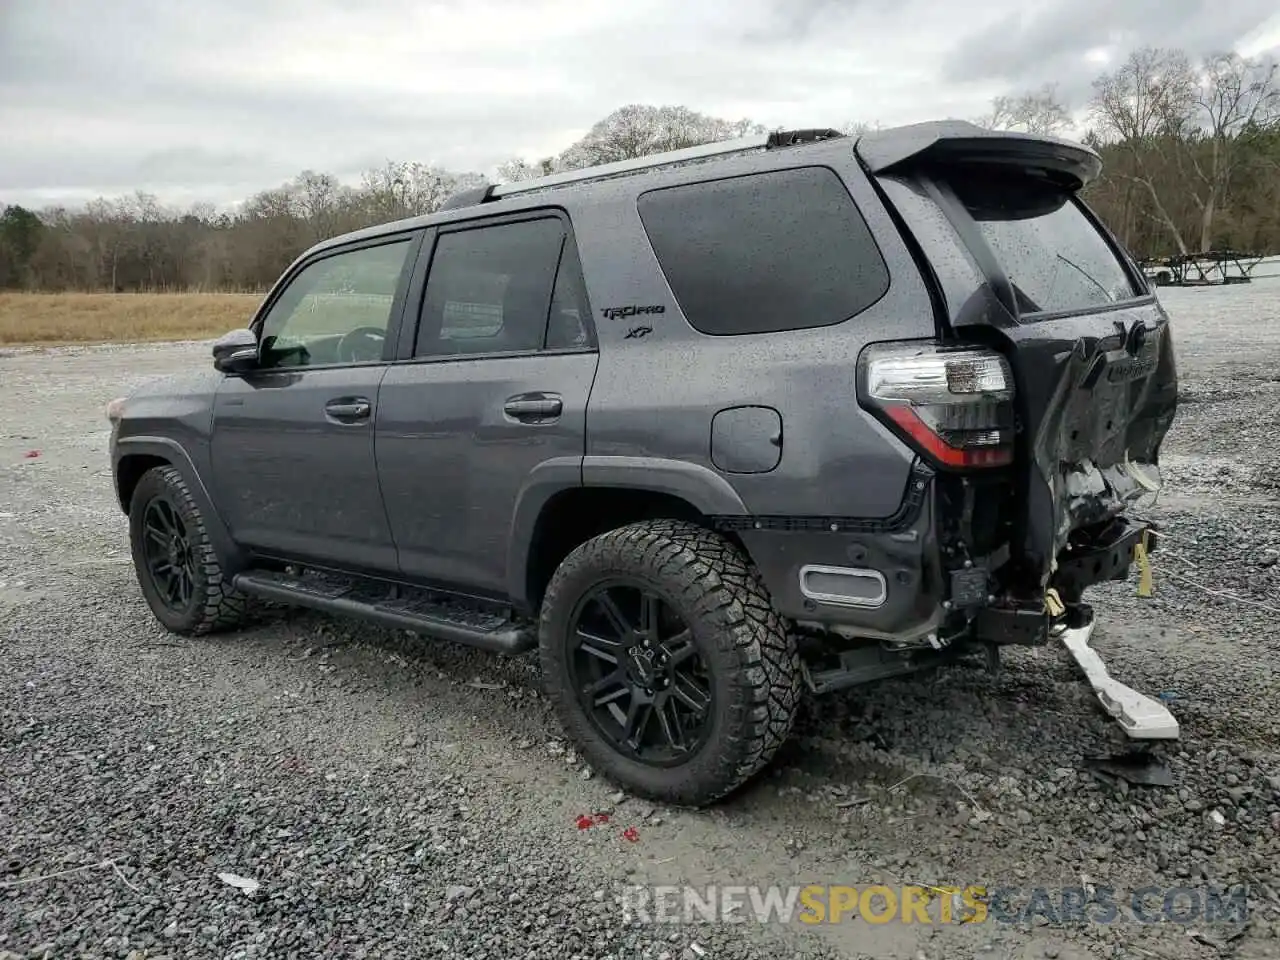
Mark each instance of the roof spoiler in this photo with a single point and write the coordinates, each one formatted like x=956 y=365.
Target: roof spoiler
x=955 y=141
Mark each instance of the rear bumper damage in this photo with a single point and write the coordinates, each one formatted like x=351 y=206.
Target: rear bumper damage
x=1140 y=716
x=1106 y=553
x=1102 y=407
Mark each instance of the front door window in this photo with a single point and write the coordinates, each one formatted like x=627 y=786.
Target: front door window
x=336 y=310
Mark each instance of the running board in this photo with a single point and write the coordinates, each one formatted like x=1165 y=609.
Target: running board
x=1140 y=716
x=390 y=606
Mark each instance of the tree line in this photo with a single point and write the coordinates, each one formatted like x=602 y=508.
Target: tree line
x=1191 y=153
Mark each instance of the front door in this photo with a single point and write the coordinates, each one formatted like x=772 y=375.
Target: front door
x=502 y=368
x=293 y=465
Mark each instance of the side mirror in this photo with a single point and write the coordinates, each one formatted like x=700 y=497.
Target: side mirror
x=236 y=351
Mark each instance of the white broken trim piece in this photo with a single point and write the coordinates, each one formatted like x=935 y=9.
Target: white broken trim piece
x=1140 y=716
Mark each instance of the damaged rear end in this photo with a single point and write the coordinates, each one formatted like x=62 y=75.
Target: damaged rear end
x=1063 y=357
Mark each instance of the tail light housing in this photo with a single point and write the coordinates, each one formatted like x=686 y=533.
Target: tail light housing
x=952 y=404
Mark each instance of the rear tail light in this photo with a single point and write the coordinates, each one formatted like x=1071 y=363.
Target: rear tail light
x=955 y=405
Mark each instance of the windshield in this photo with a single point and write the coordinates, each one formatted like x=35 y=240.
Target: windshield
x=1053 y=255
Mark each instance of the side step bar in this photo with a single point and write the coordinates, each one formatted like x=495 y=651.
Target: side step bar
x=415 y=610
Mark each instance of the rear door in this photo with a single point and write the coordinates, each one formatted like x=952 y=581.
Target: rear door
x=1024 y=265
x=495 y=383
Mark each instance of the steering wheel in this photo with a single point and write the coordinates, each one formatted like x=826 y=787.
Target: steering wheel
x=361 y=345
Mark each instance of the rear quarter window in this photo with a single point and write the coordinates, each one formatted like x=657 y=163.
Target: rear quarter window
x=767 y=252
x=1054 y=256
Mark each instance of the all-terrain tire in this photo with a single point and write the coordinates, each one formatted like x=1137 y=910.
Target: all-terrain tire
x=748 y=651
x=214 y=605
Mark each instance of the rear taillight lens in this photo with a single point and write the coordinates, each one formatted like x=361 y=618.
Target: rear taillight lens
x=953 y=404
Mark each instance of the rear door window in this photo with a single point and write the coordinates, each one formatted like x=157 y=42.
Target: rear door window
x=783 y=250
x=490 y=288
x=1049 y=248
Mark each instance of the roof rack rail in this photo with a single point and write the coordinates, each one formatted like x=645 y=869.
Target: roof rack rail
x=789 y=138
x=763 y=141
x=719 y=148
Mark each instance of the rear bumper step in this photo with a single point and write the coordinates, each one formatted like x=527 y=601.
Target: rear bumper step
x=415 y=612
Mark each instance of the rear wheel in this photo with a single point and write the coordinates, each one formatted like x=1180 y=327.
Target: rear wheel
x=177 y=568
x=667 y=663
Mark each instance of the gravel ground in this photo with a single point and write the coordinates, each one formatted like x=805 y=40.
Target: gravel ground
x=398 y=798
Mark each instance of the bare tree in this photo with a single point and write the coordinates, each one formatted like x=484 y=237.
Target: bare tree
x=856 y=128
x=516 y=169
x=1143 y=107
x=1034 y=111
x=398 y=190
x=318 y=199
x=1237 y=104
x=108 y=233
x=638 y=130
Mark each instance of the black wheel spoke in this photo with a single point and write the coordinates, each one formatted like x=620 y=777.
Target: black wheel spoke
x=638 y=715
x=680 y=648
x=605 y=648
x=164 y=518
x=618 y=693
x=669 y=721
x=616 y=618
x=157 y=536
x=688 y=692
x=175 y=521
x=614 y=677
x=650 y=614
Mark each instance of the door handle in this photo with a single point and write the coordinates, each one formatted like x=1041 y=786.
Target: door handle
x=349 y=409
x=541 y=406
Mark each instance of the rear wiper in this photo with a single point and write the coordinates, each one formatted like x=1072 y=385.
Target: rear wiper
x=1084 y=273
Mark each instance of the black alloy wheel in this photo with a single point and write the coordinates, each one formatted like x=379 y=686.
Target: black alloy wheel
x=638 y=674
x=169 y=559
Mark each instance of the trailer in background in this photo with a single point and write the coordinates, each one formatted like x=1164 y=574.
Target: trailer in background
x=1211 y=268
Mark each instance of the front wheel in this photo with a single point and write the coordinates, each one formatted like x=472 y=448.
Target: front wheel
x=666 y=661
x=177 y=568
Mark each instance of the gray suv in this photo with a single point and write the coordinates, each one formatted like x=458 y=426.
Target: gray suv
x=710 y=430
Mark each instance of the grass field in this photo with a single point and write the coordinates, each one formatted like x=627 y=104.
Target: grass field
x=45 y=318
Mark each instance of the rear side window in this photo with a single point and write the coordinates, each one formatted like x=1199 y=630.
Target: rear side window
x=783 y=250
x=1053 y=255
x=490 y=289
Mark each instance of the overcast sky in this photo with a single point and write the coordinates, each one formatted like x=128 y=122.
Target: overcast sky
x=216 y=99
